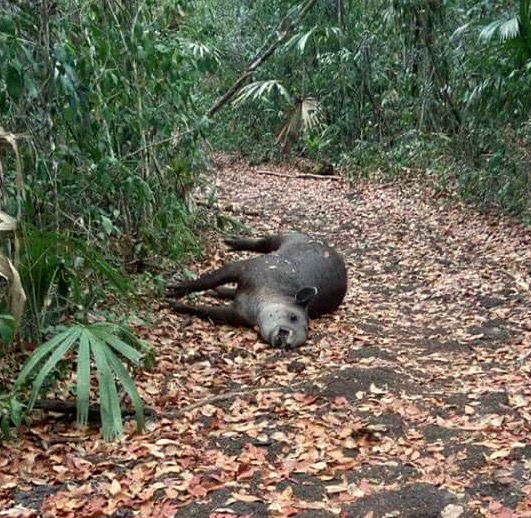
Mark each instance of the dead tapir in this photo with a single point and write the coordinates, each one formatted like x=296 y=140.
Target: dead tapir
x=298 y=278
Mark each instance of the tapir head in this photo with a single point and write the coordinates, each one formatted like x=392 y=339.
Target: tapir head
x=284 y=322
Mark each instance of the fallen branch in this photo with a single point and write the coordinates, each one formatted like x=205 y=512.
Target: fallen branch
x=297 y=176
x=66 y=407
x=69 y=408
x=220 y=397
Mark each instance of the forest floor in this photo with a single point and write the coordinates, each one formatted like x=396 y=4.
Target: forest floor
x=413 y=400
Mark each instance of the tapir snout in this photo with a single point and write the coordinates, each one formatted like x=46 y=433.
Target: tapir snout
x=282 y=337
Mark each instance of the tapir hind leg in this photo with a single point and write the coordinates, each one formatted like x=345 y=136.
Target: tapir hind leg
x=218 y=314
x=263 y=245
x=224 y=275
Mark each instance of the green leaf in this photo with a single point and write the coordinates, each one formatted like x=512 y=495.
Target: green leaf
x=96 y=341
x=301 y=40
x=510 y=29
x=83 y=378
x=15 y=411
x=7 y=25
x=61 y=349
x=260 y=90
x=124 y=349
x=504 y=29
x=30 y=86
x=14 y=83
x=96 y=261
x=458 y=33
x=110 y=411
x=42 y=351
x=4 y=427
x=107 y=225
x=129 y=385
x=7 y=329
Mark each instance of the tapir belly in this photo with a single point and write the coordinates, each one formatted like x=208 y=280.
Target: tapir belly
x=287 y=271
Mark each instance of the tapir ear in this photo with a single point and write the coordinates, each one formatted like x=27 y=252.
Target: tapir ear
x=305 y=295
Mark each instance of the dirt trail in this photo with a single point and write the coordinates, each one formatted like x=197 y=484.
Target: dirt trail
x=413 y=400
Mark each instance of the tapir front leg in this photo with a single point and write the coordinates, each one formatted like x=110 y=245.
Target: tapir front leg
x=218 y=314
x=264 y=245
x=223 y=293
x=224 y=275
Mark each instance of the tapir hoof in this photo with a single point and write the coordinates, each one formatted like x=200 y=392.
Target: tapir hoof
x=178 y=307
x=175 y=291
x=231 y=243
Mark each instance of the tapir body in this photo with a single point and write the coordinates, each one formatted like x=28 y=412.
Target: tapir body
x=297 y=278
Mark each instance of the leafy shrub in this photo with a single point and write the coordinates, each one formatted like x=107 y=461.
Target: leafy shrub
x=106 y=104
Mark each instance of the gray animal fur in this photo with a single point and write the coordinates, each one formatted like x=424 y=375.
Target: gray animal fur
x=296 y=279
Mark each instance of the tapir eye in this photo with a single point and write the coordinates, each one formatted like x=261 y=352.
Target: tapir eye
x=293 y=317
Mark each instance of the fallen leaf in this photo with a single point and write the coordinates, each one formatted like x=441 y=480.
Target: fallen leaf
x=243 y=497
x=452 y=511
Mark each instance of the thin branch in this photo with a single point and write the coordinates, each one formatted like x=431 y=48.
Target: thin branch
x=175 y=139
x=220 y=397
x=297 y=176
x=283 y=31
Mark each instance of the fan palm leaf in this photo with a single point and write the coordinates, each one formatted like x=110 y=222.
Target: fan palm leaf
x=98 y=344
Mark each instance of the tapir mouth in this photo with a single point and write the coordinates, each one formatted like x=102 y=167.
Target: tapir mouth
x=281 y=337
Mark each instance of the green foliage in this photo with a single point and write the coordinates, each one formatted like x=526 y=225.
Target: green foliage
x=106 y=345
x=7 y=330
x=100 y=98
x=11 y=414
x=105 y=102
x=60 y=273
x=514 y=32
x=261 y=90
x=394 y=82
x=100 y=107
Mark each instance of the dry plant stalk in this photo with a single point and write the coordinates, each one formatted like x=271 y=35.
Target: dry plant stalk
x=16 y=297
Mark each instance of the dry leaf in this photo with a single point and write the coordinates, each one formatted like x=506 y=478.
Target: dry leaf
x=452 y=511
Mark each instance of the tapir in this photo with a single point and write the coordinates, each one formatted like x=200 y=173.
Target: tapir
x=296 y=279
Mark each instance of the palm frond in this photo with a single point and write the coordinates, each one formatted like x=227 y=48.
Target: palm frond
x=40 y=353
x=102 y=333
x=389 y=15
x=83 y=379
x=61 y=349
x=316 y=34
x=504 y=30
x=110 y=410
x=456 y=36
x=96 y=342
x=260 y=90
x=201 y=52
x=300 y=40
x=311 y=113
x=304 y=116
x=129 y=385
